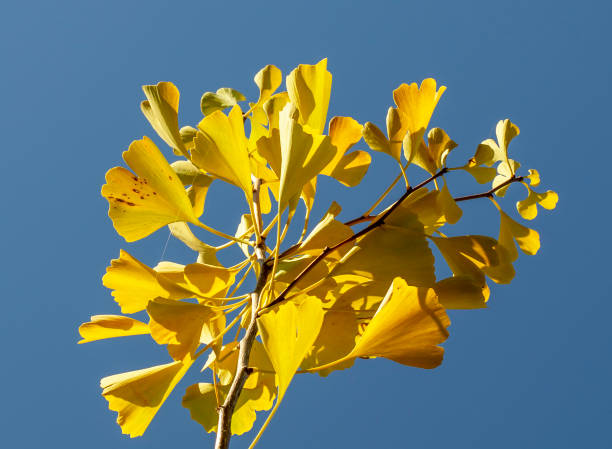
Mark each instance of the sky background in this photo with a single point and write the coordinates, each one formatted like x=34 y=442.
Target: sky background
x=531 y=370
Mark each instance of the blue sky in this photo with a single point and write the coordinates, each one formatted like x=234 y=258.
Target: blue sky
x=532 y=370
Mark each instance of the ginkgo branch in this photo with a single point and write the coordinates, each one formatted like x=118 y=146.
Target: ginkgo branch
x=489 y=193
x=380 y=219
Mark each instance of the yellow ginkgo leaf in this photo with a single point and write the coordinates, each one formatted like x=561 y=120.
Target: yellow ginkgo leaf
x=178 y=324
x=201 y=401
x=377 y=140
x=509 y=231
x=140 y=205
x=134 y=284
x=287 y=332
x=386 y=252
x=505 y=172
x=268 y=80
x=111 y=326
x=482 y=175
x=262 y=370
x=349 y=168
x=273 y=106
x=476 y=256
x=161 y=110
x=421 y=212
x=407 y=328
x=461 y=292
x=417 y=103
x=303 y=158
x=309 y=89
x=221 y=149
x=209 y=281
x=433 y=156
x=528 y=207
x=136 y=396
x=447 y=203
x=225 y=97
x=396 y=130
x=335 y=340
x=327 y=233
x=534 y=178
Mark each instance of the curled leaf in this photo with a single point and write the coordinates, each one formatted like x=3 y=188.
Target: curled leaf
x=110 y=326
x=223 y=98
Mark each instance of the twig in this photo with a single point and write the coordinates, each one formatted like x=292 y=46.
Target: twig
x=489 y=194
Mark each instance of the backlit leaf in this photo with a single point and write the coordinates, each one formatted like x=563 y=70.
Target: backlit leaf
x=111 y=326
x=161 y=110
x=309 y=89
x=136 y=396
x=223 y=98
x=178 y=325
x=221 y=149
x=140 y=205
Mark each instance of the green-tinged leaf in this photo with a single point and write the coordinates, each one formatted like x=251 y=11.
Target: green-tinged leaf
x=161 y=110
x=110 y=326
x=376 y=139
x=268 y=80
x=223 y=98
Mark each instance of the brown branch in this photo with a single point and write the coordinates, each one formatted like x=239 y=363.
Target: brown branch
x=379 y=220
x=243 y=371
x=489 y=194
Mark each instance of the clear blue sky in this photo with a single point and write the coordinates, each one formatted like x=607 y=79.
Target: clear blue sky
x=532 y=370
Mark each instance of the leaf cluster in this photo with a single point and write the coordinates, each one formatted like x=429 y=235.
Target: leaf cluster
x=362 y=288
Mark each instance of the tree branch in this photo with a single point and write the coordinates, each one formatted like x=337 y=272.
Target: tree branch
x=379 y=220
x=226 y=411
x=490 y=193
